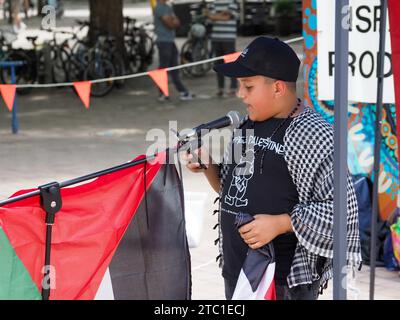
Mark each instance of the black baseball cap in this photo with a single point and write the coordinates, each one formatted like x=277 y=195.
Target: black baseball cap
x=264 y=56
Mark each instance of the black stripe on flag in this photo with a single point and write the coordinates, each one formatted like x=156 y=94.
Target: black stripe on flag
x=153 y=260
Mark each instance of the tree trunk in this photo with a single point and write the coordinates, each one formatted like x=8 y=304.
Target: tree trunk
x=106 y=17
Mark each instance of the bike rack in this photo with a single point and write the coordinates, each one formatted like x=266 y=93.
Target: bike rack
x=12 y=65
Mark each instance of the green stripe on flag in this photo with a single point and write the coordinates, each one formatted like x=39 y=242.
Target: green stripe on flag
x=15 y=281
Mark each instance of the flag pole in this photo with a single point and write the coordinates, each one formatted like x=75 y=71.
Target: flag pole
x=377 y=146
x=80 y=179
x=340 y=151
x=182 y=146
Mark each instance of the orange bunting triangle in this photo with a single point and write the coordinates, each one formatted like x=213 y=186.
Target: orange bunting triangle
x=160 y=77
x=8 y=94
x=231 y=57
x=83 y=90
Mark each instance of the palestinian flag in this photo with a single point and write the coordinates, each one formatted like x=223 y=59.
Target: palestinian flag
x=256 y=278
x=97 y=243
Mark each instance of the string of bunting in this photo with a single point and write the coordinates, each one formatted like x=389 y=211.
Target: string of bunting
x=159 y=76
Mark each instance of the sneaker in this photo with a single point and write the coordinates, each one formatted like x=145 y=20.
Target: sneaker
x=185 y=96
x=163 y=97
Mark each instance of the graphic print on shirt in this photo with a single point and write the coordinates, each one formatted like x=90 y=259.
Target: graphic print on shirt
x=241 y=174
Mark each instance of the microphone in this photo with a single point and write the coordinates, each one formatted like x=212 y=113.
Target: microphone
x=232 y=118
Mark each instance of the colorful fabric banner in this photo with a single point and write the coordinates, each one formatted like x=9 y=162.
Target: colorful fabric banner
x=160 y=77
x=8 y=94
x=83 y=90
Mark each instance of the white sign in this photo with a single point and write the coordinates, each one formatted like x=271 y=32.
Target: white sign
x=363 y=51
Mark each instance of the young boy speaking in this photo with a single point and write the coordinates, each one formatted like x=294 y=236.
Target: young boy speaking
x=279 y=169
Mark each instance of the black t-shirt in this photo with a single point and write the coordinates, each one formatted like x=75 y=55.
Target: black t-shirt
x=248 y=190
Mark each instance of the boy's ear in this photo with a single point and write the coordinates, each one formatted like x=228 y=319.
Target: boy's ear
x=280 y=88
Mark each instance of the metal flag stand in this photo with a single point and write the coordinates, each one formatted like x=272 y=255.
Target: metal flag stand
x=50 y=200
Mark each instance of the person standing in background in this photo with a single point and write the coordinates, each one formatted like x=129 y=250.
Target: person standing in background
x=17 y=23
x=224 y=15
x=165 y=23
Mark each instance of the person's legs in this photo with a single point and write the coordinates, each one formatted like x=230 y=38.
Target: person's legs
x=164 y=54
x=282 y=292
x=175 y=73
x=26 y=7
x=164 y=58
x=301 y=292
x=217 y=48
x=15 y=6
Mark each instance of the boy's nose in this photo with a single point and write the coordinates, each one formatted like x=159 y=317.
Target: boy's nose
x=239 y=94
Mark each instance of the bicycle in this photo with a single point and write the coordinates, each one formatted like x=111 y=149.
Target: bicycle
x=7 y=53
x=139 y=44
x=36 y=68
x=59 y=55
x=197 y=48
x=99 y=67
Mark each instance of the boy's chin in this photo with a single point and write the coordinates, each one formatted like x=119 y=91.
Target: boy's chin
x=251 y=115
x=254 y=117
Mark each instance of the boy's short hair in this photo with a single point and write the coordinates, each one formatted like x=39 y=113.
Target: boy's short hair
x=264 y=56
x=292 y=86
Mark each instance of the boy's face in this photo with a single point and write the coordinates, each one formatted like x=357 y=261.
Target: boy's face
x=259 y=95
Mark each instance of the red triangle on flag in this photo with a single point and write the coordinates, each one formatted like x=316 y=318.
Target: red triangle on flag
x=8 y=94
x=83 y=90
x=231 y=57
x=160 y=77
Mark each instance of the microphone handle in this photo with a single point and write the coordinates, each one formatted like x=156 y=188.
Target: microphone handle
x=199 y=143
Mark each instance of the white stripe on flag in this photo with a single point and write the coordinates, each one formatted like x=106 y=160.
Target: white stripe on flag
x=105 y=291
x=243 y=290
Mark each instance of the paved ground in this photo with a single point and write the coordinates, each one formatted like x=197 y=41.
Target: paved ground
x=59 y=140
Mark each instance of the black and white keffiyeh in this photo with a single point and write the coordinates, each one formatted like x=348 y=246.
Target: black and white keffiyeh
x=309 y=157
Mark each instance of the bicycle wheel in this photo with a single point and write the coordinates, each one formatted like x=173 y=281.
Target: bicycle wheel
x=60 y=57
x=75 y=69
x=186 y=57
x=207 y=54
x=134 y=61
x=119 y=66
x=25 y=74
x=100 y=69
x=44 y=65
x=146 y=51
x=199 y=53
